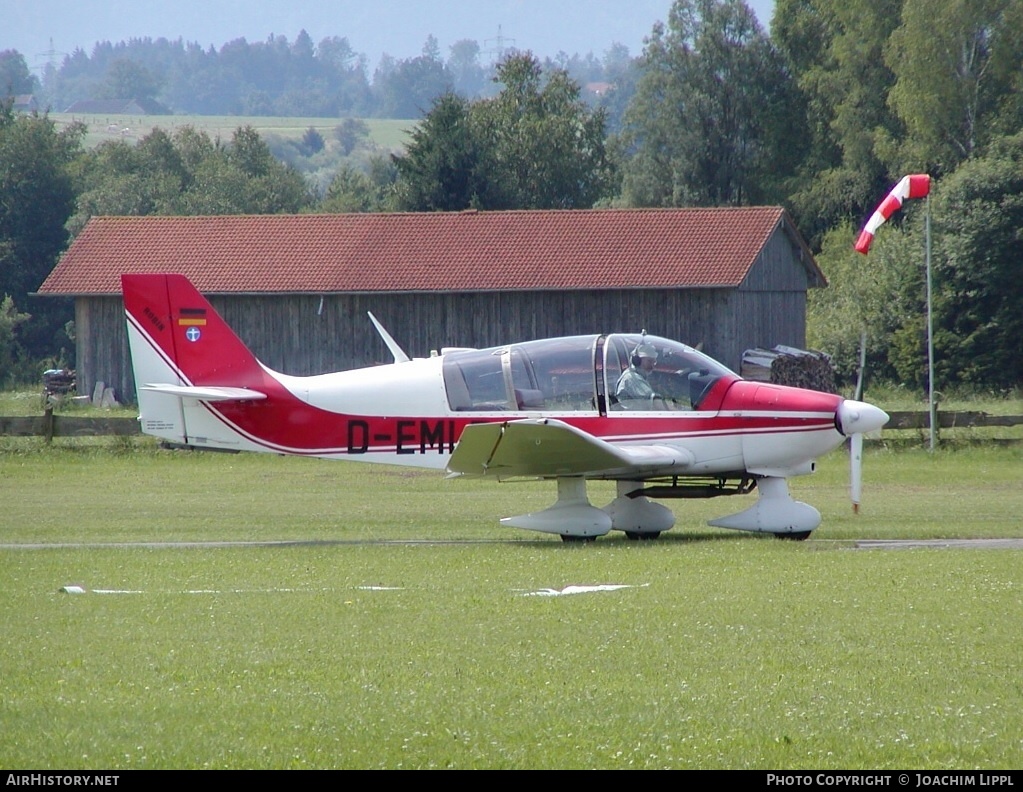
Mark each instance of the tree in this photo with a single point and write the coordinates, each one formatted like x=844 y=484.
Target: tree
x=622 y=73
x=956 y=63
x=535 y=145
x=129 y=81
x=710 y=122
x=465 y=69
x=263 y=184
x=15 y=78
x=549 y=146
x=447 y=165
x=834 y=51
x=349 y=133
x=979 y=212
x=36 y=200
x=354 y=191
x=881 y=294
x=346 y=74
x=312 y=142
x=11 y=354
x=409 y=87
x=188 y=174
x=119 y=178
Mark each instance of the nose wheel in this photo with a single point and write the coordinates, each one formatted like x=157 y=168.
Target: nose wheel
x=795 y=536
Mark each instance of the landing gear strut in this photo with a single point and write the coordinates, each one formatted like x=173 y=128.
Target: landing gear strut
x=573 y=517
x=774 y=512
x=637 y=515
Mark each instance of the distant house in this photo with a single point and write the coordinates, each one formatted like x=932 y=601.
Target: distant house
x=296 y=288
x=25 y=103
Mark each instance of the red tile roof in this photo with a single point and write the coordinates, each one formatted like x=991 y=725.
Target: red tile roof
x=427 y=252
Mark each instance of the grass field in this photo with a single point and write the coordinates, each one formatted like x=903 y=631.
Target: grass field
x=402 y=625
x=387 y=133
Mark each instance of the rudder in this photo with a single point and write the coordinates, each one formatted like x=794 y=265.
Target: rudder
x=185 y=332
x=177 y=338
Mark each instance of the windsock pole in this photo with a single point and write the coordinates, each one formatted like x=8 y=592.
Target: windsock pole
x=917 y=185
x=933 y=408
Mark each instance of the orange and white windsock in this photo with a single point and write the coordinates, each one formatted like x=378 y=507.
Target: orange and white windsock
x=915 y=186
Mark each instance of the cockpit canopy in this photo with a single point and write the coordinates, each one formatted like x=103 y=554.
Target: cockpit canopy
x=578 y=374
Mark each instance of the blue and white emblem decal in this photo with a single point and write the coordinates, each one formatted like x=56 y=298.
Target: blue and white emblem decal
x=193 y=334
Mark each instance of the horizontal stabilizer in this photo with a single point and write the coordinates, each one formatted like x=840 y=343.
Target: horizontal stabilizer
x=210 y=393
x=548 y=447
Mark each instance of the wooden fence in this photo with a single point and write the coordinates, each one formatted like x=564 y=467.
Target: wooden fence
x=949 y=420
x=50 y=425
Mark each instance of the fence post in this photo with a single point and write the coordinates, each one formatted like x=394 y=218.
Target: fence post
x=48 y=423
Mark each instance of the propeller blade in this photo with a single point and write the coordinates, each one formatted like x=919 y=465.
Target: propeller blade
x=855 y=418
x=856 y=470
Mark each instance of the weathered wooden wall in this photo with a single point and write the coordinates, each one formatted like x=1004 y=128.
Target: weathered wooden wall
x=296 y=335
x=310 y=334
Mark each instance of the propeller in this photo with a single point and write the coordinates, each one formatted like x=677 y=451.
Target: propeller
x=856 y=418
x=856 y=470
x=856 y=441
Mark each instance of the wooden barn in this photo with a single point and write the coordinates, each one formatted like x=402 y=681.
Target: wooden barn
x=297 y=288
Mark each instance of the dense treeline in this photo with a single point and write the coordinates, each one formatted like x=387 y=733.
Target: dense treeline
x=823 y=116
x=278 y=77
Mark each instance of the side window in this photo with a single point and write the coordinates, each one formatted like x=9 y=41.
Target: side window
x=553 y=375
x=528 y=395
x=475 y=381
x=562 y=372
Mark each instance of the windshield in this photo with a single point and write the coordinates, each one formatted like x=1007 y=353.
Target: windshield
x=652 y=373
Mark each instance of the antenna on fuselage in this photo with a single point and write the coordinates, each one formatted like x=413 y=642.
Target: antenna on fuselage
x=397 y=351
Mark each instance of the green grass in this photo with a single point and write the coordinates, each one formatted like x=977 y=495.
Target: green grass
x=27 y=402
x=371 y=647
x=387 y=133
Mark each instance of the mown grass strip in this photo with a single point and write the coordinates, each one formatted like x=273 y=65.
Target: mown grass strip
x=726 y=650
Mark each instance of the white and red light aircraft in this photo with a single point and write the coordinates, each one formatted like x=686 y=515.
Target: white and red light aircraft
x=541 y=409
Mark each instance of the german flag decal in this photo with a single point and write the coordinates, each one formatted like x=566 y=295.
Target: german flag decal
x=192 y=317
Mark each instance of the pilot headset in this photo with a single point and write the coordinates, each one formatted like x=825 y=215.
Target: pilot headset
x=642 y=351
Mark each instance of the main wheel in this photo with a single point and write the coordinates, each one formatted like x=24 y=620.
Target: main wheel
x=641 y=535
x=795 y=536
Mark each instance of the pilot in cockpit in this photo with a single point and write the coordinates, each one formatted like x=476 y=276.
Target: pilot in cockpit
x=634 y=382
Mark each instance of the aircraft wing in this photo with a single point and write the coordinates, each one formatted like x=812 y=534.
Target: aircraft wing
x=548 y=447
x=208 y=393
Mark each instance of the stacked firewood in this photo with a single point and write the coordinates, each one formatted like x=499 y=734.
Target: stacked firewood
x=58 y=382
x=784 y=365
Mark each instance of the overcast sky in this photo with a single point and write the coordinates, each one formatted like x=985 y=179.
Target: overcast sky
x=373 y=27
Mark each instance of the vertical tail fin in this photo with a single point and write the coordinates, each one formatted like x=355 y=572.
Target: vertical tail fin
x=182 y=352
x=177 y=337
